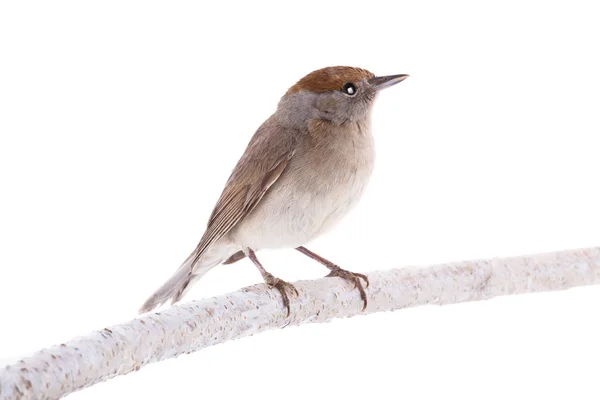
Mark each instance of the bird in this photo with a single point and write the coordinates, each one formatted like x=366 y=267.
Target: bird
x=302 y=171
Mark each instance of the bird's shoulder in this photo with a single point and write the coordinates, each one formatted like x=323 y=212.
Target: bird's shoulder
x=269 y=146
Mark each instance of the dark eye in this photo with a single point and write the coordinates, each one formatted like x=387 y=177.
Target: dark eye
x=349 y=89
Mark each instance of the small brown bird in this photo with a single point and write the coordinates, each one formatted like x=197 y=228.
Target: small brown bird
x=303 y=170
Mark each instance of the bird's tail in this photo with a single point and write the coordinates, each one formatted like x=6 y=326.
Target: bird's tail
x=187 y=274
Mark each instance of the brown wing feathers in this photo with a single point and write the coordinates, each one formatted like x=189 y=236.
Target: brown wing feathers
x=234 y=205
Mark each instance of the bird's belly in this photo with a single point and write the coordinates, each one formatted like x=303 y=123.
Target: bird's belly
x=298 y=210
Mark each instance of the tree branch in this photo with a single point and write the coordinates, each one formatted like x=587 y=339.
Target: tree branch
x=120 y=349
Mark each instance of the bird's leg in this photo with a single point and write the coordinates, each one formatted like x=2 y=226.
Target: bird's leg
x=339 y=272
x=272 y=281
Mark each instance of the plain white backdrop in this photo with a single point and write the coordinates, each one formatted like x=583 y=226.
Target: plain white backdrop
x=120 y=122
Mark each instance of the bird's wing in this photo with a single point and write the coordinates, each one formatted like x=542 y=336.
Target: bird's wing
x=263 y=162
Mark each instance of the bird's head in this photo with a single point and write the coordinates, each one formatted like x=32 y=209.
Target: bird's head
x=334 y=94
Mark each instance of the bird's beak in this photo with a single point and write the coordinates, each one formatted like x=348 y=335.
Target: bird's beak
x=382 y=82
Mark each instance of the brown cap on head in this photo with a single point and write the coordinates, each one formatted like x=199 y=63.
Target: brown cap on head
x=330 y=78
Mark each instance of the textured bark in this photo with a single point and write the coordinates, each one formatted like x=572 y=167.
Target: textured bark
x=186 y=328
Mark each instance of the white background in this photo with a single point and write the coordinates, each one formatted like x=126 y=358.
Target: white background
x=120 y=122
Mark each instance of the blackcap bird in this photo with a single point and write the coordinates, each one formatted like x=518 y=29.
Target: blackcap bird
x=303 y=170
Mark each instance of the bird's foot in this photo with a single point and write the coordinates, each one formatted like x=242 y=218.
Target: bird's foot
x=283 y=287
x=354 y=278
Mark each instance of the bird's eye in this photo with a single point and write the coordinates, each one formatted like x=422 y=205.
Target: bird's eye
x=349 y=89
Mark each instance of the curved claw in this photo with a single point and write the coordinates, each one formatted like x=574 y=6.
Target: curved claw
x=354 y=278
x=282 y=287
x=364 y=278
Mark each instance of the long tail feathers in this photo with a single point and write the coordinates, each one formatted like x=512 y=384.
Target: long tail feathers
x=173 y=288
x=179 y=283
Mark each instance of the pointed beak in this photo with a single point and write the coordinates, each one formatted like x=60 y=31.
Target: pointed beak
x=382 y=82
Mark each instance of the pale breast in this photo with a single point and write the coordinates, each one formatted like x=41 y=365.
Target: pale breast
x=321 y=184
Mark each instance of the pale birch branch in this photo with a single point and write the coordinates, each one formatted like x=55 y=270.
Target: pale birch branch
x=186 y=328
